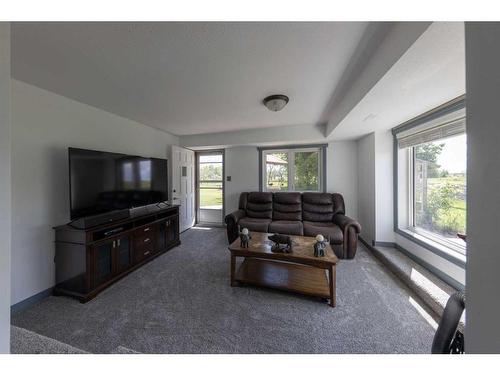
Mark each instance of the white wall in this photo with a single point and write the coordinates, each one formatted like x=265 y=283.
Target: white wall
x=483 y=187
x=5 y=187
x=242 y=164
x=384 y=197
x=278 y=135
x=366 y=186
x=44 y=125
x=375 y=187
x=342 y=176
x=242 y=159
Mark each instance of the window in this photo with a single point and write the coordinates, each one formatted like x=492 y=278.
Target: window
x=276 y=171
x=299 y=169
x=439 y=188
x=431 y=170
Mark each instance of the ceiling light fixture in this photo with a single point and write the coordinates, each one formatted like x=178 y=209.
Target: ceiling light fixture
x=276 y=103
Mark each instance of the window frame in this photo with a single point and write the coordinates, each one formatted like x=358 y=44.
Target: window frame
x=291 y=150
x=405 y=227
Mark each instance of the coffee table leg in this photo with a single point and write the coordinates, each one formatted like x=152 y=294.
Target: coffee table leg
x=332 y=274
x=233 y=265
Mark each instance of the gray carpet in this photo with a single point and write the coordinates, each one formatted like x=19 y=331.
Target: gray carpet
x=27 y=342
x=182 y=303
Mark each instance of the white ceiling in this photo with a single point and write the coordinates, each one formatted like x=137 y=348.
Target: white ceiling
x=429 y=74
x=190 y=78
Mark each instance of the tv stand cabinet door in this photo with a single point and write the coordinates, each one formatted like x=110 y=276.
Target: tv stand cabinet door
x=123 y=255
x=102 y=262
x=171 y=231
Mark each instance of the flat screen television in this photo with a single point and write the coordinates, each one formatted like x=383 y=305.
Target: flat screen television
x=105 y=181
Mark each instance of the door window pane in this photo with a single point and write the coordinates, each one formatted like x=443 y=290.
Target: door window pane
x=210 y=167
x=210 y=182
x=211 y=198
x=277 y=171
x=440 y=187
x=306 y=176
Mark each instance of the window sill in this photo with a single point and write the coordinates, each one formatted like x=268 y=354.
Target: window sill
x=434 y=246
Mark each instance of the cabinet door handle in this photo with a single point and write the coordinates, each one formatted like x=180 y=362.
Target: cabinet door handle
x=146 y=229
x=147 y=239
x=118 y=243
x=114 y=243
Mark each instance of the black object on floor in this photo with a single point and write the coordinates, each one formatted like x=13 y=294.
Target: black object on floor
x=448 y=340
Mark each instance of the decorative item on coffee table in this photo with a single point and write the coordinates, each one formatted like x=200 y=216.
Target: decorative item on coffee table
x=281 y=243
x=244 y=238
x=319 y=246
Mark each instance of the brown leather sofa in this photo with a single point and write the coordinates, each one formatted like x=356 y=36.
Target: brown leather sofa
x=305 y=214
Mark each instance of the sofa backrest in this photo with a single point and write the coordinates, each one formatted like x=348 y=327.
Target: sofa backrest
x=321 y=206
x=259 y=205
x=292 y=206
x=287 y=206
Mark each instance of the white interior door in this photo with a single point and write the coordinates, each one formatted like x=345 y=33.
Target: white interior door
x=183 y=192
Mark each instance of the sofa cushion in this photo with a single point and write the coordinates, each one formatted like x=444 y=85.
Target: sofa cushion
x=287 y=206
x=328 y=230
x=286 y=227
x=254 y=224
x=317 y=207
x=260 y=205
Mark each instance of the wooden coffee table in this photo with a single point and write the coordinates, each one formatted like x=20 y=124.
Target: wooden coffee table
x=299 y=271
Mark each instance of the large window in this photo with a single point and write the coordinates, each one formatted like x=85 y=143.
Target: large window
x=439 y=188
x=298 y=169
x=431 y=170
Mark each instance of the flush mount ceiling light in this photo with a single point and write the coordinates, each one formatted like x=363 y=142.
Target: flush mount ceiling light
x=276 y=103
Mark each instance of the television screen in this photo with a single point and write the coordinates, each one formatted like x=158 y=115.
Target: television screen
x=105 y=181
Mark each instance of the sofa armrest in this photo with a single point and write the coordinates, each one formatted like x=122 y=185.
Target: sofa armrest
x=350 y=229
x=231 y=221
x=234 y=217
x=344 y=222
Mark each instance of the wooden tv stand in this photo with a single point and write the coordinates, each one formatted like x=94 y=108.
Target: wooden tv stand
x=89 y=260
